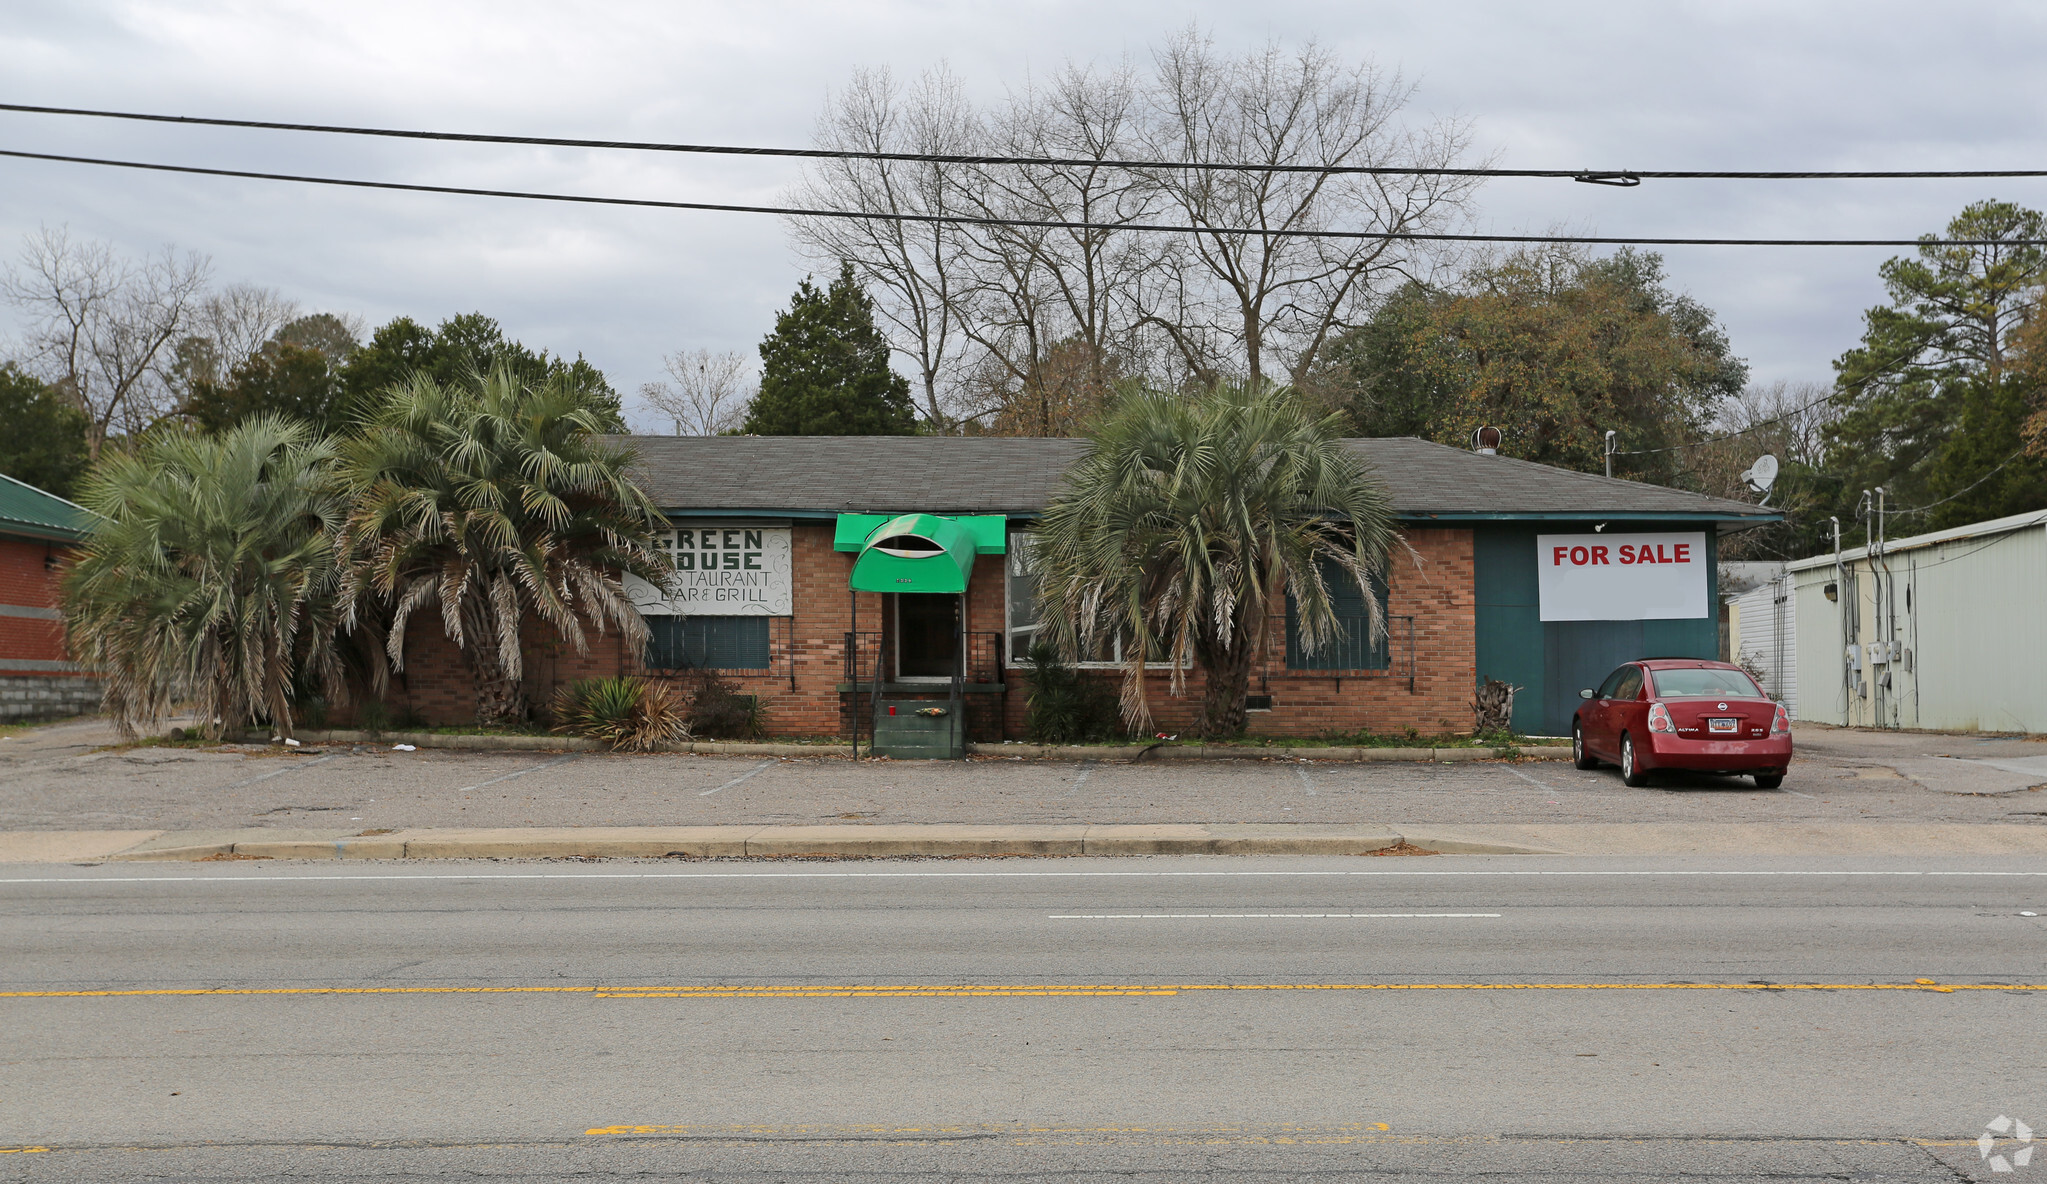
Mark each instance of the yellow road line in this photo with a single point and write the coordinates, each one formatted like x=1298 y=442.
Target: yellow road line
x=987 y=990
x=21 y=1150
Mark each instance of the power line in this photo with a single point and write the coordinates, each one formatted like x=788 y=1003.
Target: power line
x=1626 y=178
x=1028 y=223
x=1971 y=486
x=1799 y=410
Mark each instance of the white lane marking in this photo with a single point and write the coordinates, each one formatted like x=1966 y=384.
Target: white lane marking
x=1525 y=777
x=1254 y=916
x=294 y=767
x=736 y=780
x=1301 y=771
x=260 y=878
x=1794 y=793
x=1086 y=767
x=521 y=772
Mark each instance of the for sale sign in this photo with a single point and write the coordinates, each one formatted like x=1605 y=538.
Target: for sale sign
x=1621 y=577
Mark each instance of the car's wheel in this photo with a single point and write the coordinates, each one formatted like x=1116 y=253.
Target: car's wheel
x=1631 y=776
x=1579 y=756
x=1769 y=780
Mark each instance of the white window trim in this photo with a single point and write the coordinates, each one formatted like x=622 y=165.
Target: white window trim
x=1010 y=629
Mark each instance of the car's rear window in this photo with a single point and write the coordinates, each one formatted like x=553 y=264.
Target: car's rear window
x=1682 y=684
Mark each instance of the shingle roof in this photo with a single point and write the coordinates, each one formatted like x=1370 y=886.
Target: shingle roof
x=1018 y=475
x=26 y=510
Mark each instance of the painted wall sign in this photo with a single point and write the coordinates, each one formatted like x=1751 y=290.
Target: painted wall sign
x=1621 y=577
x=720 y=571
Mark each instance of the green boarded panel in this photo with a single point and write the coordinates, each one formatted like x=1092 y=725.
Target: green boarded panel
x=1506 y=618
x=908 y=736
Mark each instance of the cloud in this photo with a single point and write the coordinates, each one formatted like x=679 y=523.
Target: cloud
x=1564 y=84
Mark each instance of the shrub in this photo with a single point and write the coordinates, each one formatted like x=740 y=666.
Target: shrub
x=717 y=711
x=622 y=712
x=1066 y=706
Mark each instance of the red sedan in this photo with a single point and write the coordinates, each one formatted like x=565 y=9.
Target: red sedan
x=1682 y=713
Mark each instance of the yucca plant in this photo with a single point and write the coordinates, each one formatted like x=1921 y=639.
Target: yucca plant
x=494 y=501
x=1186 y=524
x=209 y=572
x=626 y=713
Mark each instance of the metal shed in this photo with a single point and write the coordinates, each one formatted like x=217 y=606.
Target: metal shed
x=1940 y=630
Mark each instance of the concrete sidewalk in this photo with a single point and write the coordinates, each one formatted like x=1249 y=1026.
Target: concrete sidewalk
x=969 y=841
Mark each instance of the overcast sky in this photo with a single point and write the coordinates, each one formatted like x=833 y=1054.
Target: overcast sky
x=1564 y=84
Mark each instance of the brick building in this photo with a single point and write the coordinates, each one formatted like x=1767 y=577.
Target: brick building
x=1537 y=576
x=1520 y=572
x=38 y=680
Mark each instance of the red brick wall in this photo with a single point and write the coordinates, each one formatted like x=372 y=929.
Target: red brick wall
x=808 y=655
x=1438 y=593
x=26 y=581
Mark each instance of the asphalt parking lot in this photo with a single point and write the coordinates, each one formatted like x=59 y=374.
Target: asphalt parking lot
x=62 y=777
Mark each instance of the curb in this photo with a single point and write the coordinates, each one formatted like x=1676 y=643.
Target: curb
x=873 y=842
x=515 y=743
x=1125 y=753
x=1196 y=752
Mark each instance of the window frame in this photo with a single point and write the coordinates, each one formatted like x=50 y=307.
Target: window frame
x=682 y=644
x=1299 y=662
x=1020 y=547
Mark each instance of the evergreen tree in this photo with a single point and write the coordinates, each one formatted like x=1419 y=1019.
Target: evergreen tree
x=282 y=379
x=45 y=440
x=825 y=371
x=460 y=350
x=1554 y=347
x=1936 y=395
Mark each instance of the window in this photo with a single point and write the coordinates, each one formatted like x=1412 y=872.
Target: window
x=708 y=643
x=1022 y=592
x=1354 y=647
x=1630 y=684
x=1704 y=684
x=1612 y=684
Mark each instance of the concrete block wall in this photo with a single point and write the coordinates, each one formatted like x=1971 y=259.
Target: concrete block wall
x=47 y=696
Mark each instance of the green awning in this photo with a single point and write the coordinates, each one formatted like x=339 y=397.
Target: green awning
x=914 y=553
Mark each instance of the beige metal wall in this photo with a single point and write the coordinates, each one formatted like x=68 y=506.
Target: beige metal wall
x=1968 y=626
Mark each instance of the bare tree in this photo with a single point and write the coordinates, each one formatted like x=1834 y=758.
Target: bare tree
x=1056 y=296
x=1241 y=296
x=914 y=266
x=228 y=328
x=102 y=328
x=706 y=393
x=983 y=306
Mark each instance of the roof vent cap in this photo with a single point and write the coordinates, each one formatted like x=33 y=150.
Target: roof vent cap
x=1486 y=441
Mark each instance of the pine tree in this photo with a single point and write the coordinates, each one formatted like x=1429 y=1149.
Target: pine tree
x=825 y=372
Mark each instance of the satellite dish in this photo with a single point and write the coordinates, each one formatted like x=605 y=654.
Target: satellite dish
x=1761 y=475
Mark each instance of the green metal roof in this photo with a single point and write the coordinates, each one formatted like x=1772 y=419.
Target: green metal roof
x=34 y=513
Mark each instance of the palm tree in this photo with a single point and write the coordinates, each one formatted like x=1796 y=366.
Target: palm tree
x=209 y=571
x=494 y=500
x=1185 y=525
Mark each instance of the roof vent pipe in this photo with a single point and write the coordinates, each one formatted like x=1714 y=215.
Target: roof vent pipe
x=1486 y=441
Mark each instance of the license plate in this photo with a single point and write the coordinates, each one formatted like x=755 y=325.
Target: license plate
x=1723 y=725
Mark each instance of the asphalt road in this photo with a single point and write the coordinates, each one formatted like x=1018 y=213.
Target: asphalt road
x=1128 y=1020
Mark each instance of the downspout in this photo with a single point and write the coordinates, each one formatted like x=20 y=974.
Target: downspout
x=1841 y=614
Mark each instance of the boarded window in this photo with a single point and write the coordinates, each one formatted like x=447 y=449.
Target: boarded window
x=707 y=643
x=1354 y=647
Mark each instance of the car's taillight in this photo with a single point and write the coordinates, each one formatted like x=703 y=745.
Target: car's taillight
x=1659 y=718
x=1781 y=726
